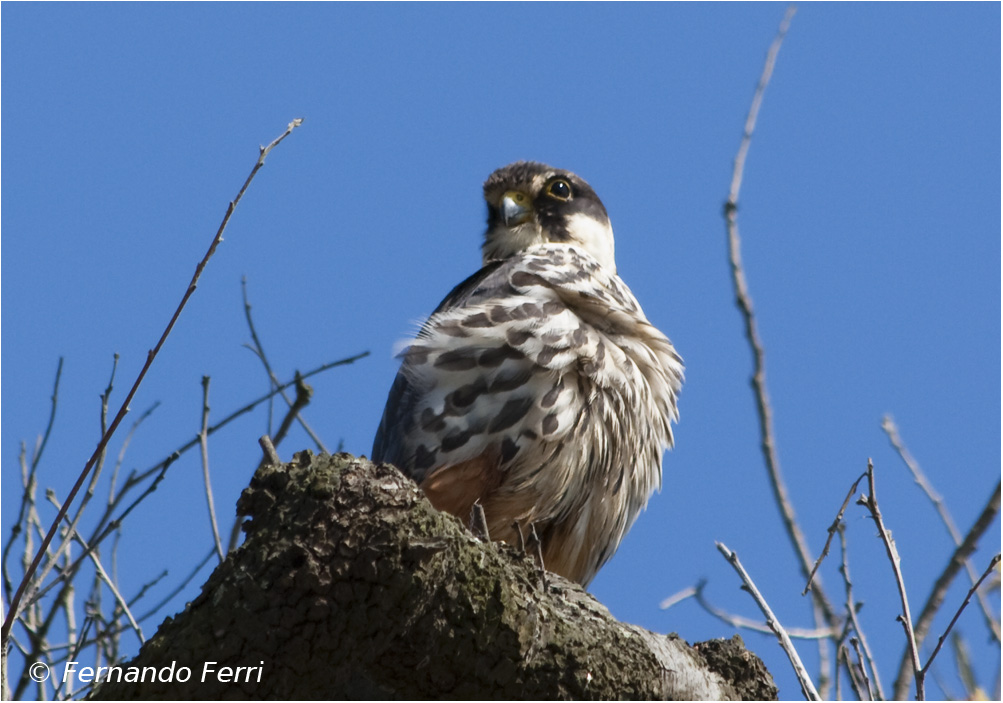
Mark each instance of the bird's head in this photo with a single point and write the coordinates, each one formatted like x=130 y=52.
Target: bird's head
x=531 y=203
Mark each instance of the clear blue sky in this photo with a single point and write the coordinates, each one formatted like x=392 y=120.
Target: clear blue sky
x=870 y=218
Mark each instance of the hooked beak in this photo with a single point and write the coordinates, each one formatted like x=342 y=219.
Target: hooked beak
x=515 y=208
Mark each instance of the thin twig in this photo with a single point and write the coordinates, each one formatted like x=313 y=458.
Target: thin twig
x=107 y=525
x=88 y=623
x=67 y=574
x=940 y=640
x=259 y=351
x=37 y=456
x=246 y=409
x=744 y=301
x=180 y=587
x=92 y=484
x=823 y=611
x=147 y=586
x=807 y=687
x=28 y=481
x=963 y=662
x=119 y=599
x=870 y=501
x=270 y=455
x=206 y=480
x=738 y=621
x=843 y=655
x=125 y=445
x=679 y=597
x=860 y=665
x=851 y=610
x=943 y=583
x=15 y=605
x=832 y=531
x=27 y=498
x=892 y=430
x=64 y=599
x=303 y=395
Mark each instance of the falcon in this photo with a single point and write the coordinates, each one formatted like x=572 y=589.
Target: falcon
x=538 y=388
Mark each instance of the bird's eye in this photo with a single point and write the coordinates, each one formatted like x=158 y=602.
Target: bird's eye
x=559 y=189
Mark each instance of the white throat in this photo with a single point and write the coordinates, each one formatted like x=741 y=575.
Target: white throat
x=595 y=237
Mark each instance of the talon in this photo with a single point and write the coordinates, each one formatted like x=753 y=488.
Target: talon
x=522 y=540
x=479 y=522
x=535 y=541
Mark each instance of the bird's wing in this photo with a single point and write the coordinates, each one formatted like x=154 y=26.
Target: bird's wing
x=480 y=370
x=388 y=446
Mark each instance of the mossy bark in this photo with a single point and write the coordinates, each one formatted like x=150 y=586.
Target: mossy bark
x=350 y=585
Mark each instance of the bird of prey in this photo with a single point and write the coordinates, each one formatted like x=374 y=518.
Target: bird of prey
x=538 y=388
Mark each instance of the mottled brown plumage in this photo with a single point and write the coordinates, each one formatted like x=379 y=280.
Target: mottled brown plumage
x=538 y=387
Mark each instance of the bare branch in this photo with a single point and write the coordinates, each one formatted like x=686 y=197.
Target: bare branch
x=744 y=301
x=204 y=444
x=757 y=101
x=680 y=596
x=268 y=444
x=125 y=445
x=738 y=621
x=971 y=592
x=243 y=411
x=860 y=665
x=940 y=587
x=270 y=455
x=851 y=611
x=37 y=456
x=892 y=430
x=259 y=351
x=832 y=531
x=870 y=501
x=122 y=603
x=15 y=605
x=180 y=587
x=855 y=673
x=807 y=687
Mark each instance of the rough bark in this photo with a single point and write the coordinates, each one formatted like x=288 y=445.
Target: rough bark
x=350 y=585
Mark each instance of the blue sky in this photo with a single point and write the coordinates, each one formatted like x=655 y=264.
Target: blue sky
x=869 y=216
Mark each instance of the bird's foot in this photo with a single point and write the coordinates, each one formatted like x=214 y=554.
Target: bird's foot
x=536 y=544
x=479 y=522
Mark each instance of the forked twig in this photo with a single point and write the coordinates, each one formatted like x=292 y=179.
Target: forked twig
x=15 y=605
x=807 y=687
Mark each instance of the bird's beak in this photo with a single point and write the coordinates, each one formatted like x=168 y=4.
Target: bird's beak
x=515 y=208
